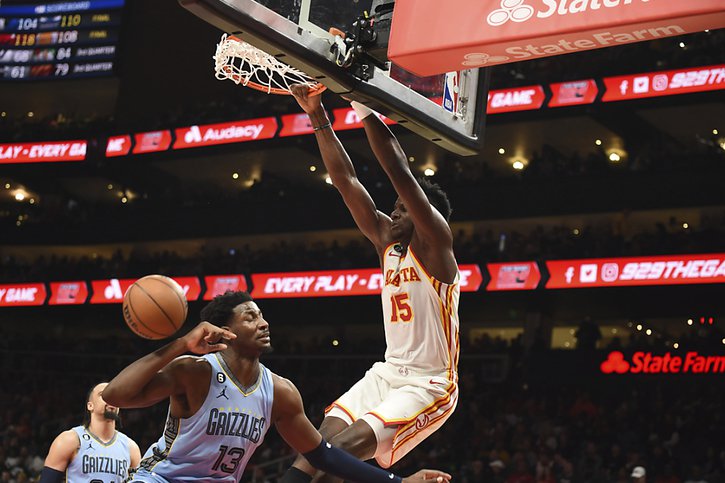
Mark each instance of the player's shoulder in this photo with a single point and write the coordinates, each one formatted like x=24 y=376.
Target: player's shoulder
x=69 y=438
x=287 y=399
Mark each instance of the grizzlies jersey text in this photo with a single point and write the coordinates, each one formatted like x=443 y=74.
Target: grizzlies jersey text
x=215 y=443
x=420 y=315
x=97 y=461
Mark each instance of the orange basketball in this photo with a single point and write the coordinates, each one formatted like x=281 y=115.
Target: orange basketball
x=155 y=307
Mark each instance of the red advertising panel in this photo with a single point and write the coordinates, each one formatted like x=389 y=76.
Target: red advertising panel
x=516 y=99
x=620 y=272
x=43 y=152
x=224 y=133
x=471 y=278
x=110 y=291
x=218 y=284
x=151 y=142
x=295 y=125
x=513 y=276
x=327 y=283
x=573 y=93
x=478 y=33
x=347 y=118
x=664 y=83
x=21 y=294
x=191 y=287
x=331 y=283
x=68 y=293
x=118 y=146
x=667 y=363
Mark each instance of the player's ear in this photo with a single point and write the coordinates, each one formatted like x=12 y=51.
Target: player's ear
x=89 y=406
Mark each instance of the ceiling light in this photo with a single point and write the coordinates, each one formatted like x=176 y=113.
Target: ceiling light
x=335 y=342
x=429 y=172
x=235 y=175
x=614 y=157
x=411 y=159
x=518 y=165
x=31 y=114
x=576 y=231
x=19 y=196
x=110 y=186
x=648 y=332
x=639 y=326
x=3 y=114
x=689 y=322
x=682 y=45
x=124 y=200
x=31 y=201
x=685 y=226
x=501 y=151
x=328 y=180
x=598 y=142
x=313 y=168
x=7 y=186
x=676 y=345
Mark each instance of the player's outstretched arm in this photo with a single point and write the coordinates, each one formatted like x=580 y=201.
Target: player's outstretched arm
x=373 y=223
x=61 y=452
x=426 y=219
x=289 y=416
x=163 y=373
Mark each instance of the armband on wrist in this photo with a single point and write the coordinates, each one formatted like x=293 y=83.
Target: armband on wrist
x=320 y=128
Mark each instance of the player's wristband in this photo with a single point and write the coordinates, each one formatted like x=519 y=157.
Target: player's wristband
x=342 y=464
x=362 y=110
x=50 y=475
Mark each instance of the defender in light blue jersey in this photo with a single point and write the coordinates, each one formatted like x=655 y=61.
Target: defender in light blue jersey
x=94 y=452
x=222 y=404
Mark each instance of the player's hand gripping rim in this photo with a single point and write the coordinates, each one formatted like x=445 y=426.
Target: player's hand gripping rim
x=206 y=338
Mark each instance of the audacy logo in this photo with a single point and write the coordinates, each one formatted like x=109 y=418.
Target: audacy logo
x=517 y=11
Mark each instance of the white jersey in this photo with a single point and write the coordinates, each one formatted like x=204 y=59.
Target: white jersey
x=99 y=461
x=215 y=443
x=420 y=315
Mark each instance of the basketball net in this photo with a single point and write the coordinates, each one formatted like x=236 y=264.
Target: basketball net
x=246 y=65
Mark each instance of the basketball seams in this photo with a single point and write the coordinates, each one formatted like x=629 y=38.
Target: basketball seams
x=136 y=318
x=157 y=305
x=183 y=301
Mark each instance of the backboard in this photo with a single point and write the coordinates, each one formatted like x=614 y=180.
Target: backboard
x=447 y=109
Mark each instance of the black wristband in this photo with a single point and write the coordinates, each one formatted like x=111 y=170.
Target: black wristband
x=320 y=128
x=50 y=475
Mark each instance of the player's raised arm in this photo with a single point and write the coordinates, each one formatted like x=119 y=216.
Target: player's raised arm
x=289 y=417
x=373 y=223
x=427 y=220
x=163 y=373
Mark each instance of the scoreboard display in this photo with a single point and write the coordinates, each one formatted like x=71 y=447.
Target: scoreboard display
x=58 y=40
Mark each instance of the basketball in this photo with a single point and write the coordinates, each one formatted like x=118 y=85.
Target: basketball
x=155 y=307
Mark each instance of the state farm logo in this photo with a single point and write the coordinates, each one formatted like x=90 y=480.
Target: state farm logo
x=615 y=363
x=517 y=11
x=476 y=59
x=648 y=363
x=513 y=10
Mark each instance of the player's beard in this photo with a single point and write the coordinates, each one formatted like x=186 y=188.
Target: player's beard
x=112 y=416
x=268 y=350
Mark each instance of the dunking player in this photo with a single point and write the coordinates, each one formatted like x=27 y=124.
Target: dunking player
x=221 y=404
x=93 y=452
x=403 y=400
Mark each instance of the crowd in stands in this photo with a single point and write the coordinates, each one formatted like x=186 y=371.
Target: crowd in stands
x=521 y=430
x=616 y=238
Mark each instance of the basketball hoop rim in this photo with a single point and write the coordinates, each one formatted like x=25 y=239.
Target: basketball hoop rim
x=315 y=90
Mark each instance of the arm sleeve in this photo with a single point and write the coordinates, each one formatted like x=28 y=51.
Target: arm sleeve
x=342 y=464
x=50 y=475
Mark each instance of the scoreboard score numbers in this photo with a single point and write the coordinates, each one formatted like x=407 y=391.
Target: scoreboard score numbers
x=42 y=41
